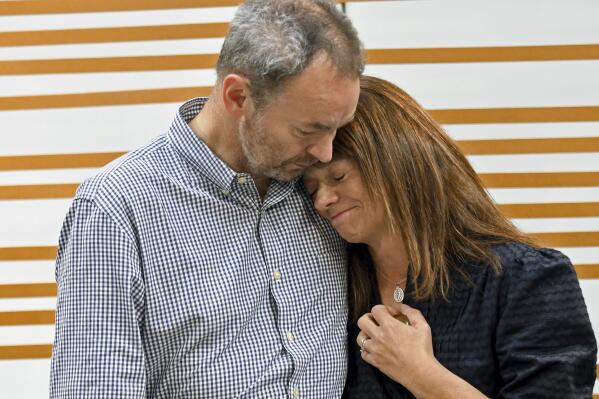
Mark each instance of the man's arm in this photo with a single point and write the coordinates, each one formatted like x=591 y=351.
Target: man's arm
x=98 y=347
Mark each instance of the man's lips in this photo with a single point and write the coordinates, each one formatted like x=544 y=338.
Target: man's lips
x=335 y=216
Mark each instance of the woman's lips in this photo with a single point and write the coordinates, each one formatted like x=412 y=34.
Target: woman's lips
x=335 y=217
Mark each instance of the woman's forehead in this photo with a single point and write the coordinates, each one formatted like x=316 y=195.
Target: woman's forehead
x=320 y=168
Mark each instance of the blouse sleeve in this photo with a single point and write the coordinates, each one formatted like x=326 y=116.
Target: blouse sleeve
x=545 y=344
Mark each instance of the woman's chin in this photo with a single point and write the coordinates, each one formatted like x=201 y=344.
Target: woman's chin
x=351 y=237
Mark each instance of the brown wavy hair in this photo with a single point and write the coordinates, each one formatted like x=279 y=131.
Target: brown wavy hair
x=431 y=194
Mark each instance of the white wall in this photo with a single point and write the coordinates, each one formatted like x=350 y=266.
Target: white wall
x=388 y=24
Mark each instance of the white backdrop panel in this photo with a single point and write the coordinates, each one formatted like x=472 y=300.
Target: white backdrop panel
x=123 y=49
x=389 y=24
x=90 y=129
x=45 y=176
x=582 y=162
x=471 y=23
x=27 y=335
x=102 y=82
x=23 y=304
x=544 y=195
x=32 y=223
x=496 y=84
x=522 y=130
x=25 y=378
x=116 y=19
x=556 y=225
x=27 y=272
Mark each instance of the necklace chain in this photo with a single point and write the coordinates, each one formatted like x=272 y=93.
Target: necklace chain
x=398 y=292
x=389 y=280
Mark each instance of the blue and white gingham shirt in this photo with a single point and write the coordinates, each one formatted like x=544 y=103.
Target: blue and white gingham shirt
x=177 y=281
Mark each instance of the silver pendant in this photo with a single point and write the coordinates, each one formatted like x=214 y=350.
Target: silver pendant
x=398 y=294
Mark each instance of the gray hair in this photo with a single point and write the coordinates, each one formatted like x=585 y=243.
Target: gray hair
x=270 y=41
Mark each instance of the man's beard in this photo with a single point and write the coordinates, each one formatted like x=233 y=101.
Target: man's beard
x=257 y=151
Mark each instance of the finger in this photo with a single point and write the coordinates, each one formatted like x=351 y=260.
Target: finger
x=414 y=315
x=397 y=315
x=368 y=325
x=361 y=338
x=369 y=357
x=381 y=314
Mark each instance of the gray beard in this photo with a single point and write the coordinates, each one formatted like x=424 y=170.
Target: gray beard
x=255 y=164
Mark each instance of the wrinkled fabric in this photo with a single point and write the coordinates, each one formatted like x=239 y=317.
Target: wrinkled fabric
x=522 y=333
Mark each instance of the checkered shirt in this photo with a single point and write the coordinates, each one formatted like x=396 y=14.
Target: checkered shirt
x=176 y=280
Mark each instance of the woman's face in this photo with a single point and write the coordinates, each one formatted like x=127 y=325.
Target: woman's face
x=340 y=196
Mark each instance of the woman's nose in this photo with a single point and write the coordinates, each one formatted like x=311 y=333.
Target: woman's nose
x=324 y=198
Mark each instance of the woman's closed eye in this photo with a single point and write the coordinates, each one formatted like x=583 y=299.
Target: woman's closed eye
x=339 y=177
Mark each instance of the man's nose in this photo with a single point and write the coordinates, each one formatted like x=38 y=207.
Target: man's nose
x=322 y=149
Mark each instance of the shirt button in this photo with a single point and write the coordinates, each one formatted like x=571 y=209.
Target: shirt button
x=241 y=179
x=277 y=275
x=290 y=336
x=225 y=192
x=296 y=392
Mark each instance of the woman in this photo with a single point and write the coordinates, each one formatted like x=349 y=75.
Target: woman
x=489 y=313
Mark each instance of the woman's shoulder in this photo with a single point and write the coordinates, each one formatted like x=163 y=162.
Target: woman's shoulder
x=522 y=261
x=541 y=269
x=518 y=256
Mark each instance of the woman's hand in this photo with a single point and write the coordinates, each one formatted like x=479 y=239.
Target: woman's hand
x=403 y=352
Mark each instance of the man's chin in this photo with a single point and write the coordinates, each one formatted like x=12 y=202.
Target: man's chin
x=286 y=173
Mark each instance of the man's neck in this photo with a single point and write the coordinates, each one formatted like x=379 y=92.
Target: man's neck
x=220 y=134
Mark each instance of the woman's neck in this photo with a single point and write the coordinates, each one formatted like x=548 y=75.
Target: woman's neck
x=389 y=256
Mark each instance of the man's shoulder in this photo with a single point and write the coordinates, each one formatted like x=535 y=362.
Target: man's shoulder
x=127 y=174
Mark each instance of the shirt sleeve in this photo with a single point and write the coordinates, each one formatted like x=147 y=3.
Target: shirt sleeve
x=545 y=344
x=98 y=350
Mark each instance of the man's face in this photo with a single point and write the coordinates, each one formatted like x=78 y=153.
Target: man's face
x=296 y=130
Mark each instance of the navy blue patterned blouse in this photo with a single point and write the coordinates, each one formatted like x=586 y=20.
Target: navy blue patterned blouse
x=523 y=333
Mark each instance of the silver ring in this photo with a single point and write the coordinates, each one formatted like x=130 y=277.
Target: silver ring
x=362 y=344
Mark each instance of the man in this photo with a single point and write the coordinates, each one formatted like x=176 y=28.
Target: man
x=195 y=266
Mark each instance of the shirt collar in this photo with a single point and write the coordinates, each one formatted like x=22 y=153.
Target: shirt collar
x=194 y=150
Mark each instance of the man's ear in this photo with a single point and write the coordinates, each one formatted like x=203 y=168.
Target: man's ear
x=236 y=95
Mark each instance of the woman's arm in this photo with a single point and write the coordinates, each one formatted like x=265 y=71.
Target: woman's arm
x=544 y=342
x=405 y=354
